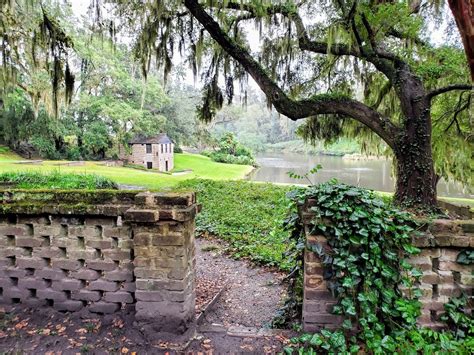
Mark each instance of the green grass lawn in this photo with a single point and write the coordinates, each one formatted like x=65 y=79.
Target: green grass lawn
x=201 y=166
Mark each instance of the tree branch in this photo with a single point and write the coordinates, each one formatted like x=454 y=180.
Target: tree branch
x=449 y=88
x=320 y=104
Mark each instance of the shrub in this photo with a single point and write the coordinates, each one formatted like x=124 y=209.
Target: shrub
x=56 y=180
x=230 y=151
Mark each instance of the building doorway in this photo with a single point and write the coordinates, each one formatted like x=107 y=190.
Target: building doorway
x=149 y=165
x=166 y=165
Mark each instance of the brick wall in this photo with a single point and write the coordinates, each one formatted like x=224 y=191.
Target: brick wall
x=443 y=278
x=441 y=242
x=100 y=252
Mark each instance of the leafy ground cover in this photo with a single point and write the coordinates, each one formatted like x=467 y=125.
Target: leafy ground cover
x=249 y=216
x=56 y=180
x=201 y=166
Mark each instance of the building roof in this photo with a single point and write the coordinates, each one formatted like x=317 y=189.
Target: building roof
x=161 y=138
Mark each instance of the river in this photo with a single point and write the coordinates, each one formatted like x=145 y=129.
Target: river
x=372 y=174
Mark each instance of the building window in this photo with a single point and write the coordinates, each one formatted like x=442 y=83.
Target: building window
x=148 y=148
x=161 y=145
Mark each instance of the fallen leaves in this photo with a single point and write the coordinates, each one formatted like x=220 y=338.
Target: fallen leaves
x=22 y=324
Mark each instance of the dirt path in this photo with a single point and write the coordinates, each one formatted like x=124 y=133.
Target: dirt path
x=252 y=295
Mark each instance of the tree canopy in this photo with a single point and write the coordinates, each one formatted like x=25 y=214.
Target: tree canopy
x=364 y=69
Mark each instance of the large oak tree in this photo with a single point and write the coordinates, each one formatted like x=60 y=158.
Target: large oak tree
x=360 y=68
x=314 y=59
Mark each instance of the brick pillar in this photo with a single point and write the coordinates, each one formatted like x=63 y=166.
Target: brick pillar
x=163 y=237
x=317 y=299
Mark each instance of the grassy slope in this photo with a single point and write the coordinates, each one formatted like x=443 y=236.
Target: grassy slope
x=202 y=167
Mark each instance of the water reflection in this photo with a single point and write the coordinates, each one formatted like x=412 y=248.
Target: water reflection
x=373 y=174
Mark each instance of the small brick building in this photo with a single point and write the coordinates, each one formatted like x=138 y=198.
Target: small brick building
x=152 y=152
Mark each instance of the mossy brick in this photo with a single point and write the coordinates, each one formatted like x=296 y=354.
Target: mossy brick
x=449 y=290
x=430 y=252
x=178 y=274
x=35 y=303
x=180 y=296
x=66 y=264
x=128 y=286
x=141 y=215
x=172 y=263
x=449 y=254
x=118 y=297
x=160 y=310
x=103 y=285
x=123 y=232
x=67 y=285
x=119 y=275
x=314 y=282
x=32 y=283
x=50 y=294
x=313 y=307
x=171 y=199
x=28 y=242
x=150 y=296
x=51 y=274
x=454 y=266
x=12 y=251
x=87 y=254
x=125 y=244
x=156 y=285
x=467 y=279
x=31 y=263
x=431 y=278
x=6 y=282
x=145 y=199
x=142 y=239
x=17 y=230
x=68 y=306
x=322 y=318
x=313 y=268
x=41 y=230
x=101 y=265
x=99 y=244
x=445 y=276
x=461 y=241
x=168 y=240
x=63 y=242
x=444 y=227
x=317 y=294
x=422 y=241
x=99 y=221
x=444 y=240
x=14 y=292
x=116 y=254
x=86 y=274
x=84 y=231
x=467 y=225
x=104 y=307
x=14 y=271
x=86 y=295
x=47 y=252
x=147 y=273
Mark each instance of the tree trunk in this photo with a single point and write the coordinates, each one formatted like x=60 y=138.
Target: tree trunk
x=416 y=178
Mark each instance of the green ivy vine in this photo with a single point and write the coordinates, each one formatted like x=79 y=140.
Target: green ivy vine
x=366 y=269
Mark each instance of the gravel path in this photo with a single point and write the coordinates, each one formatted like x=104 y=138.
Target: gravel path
x=252 y=295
